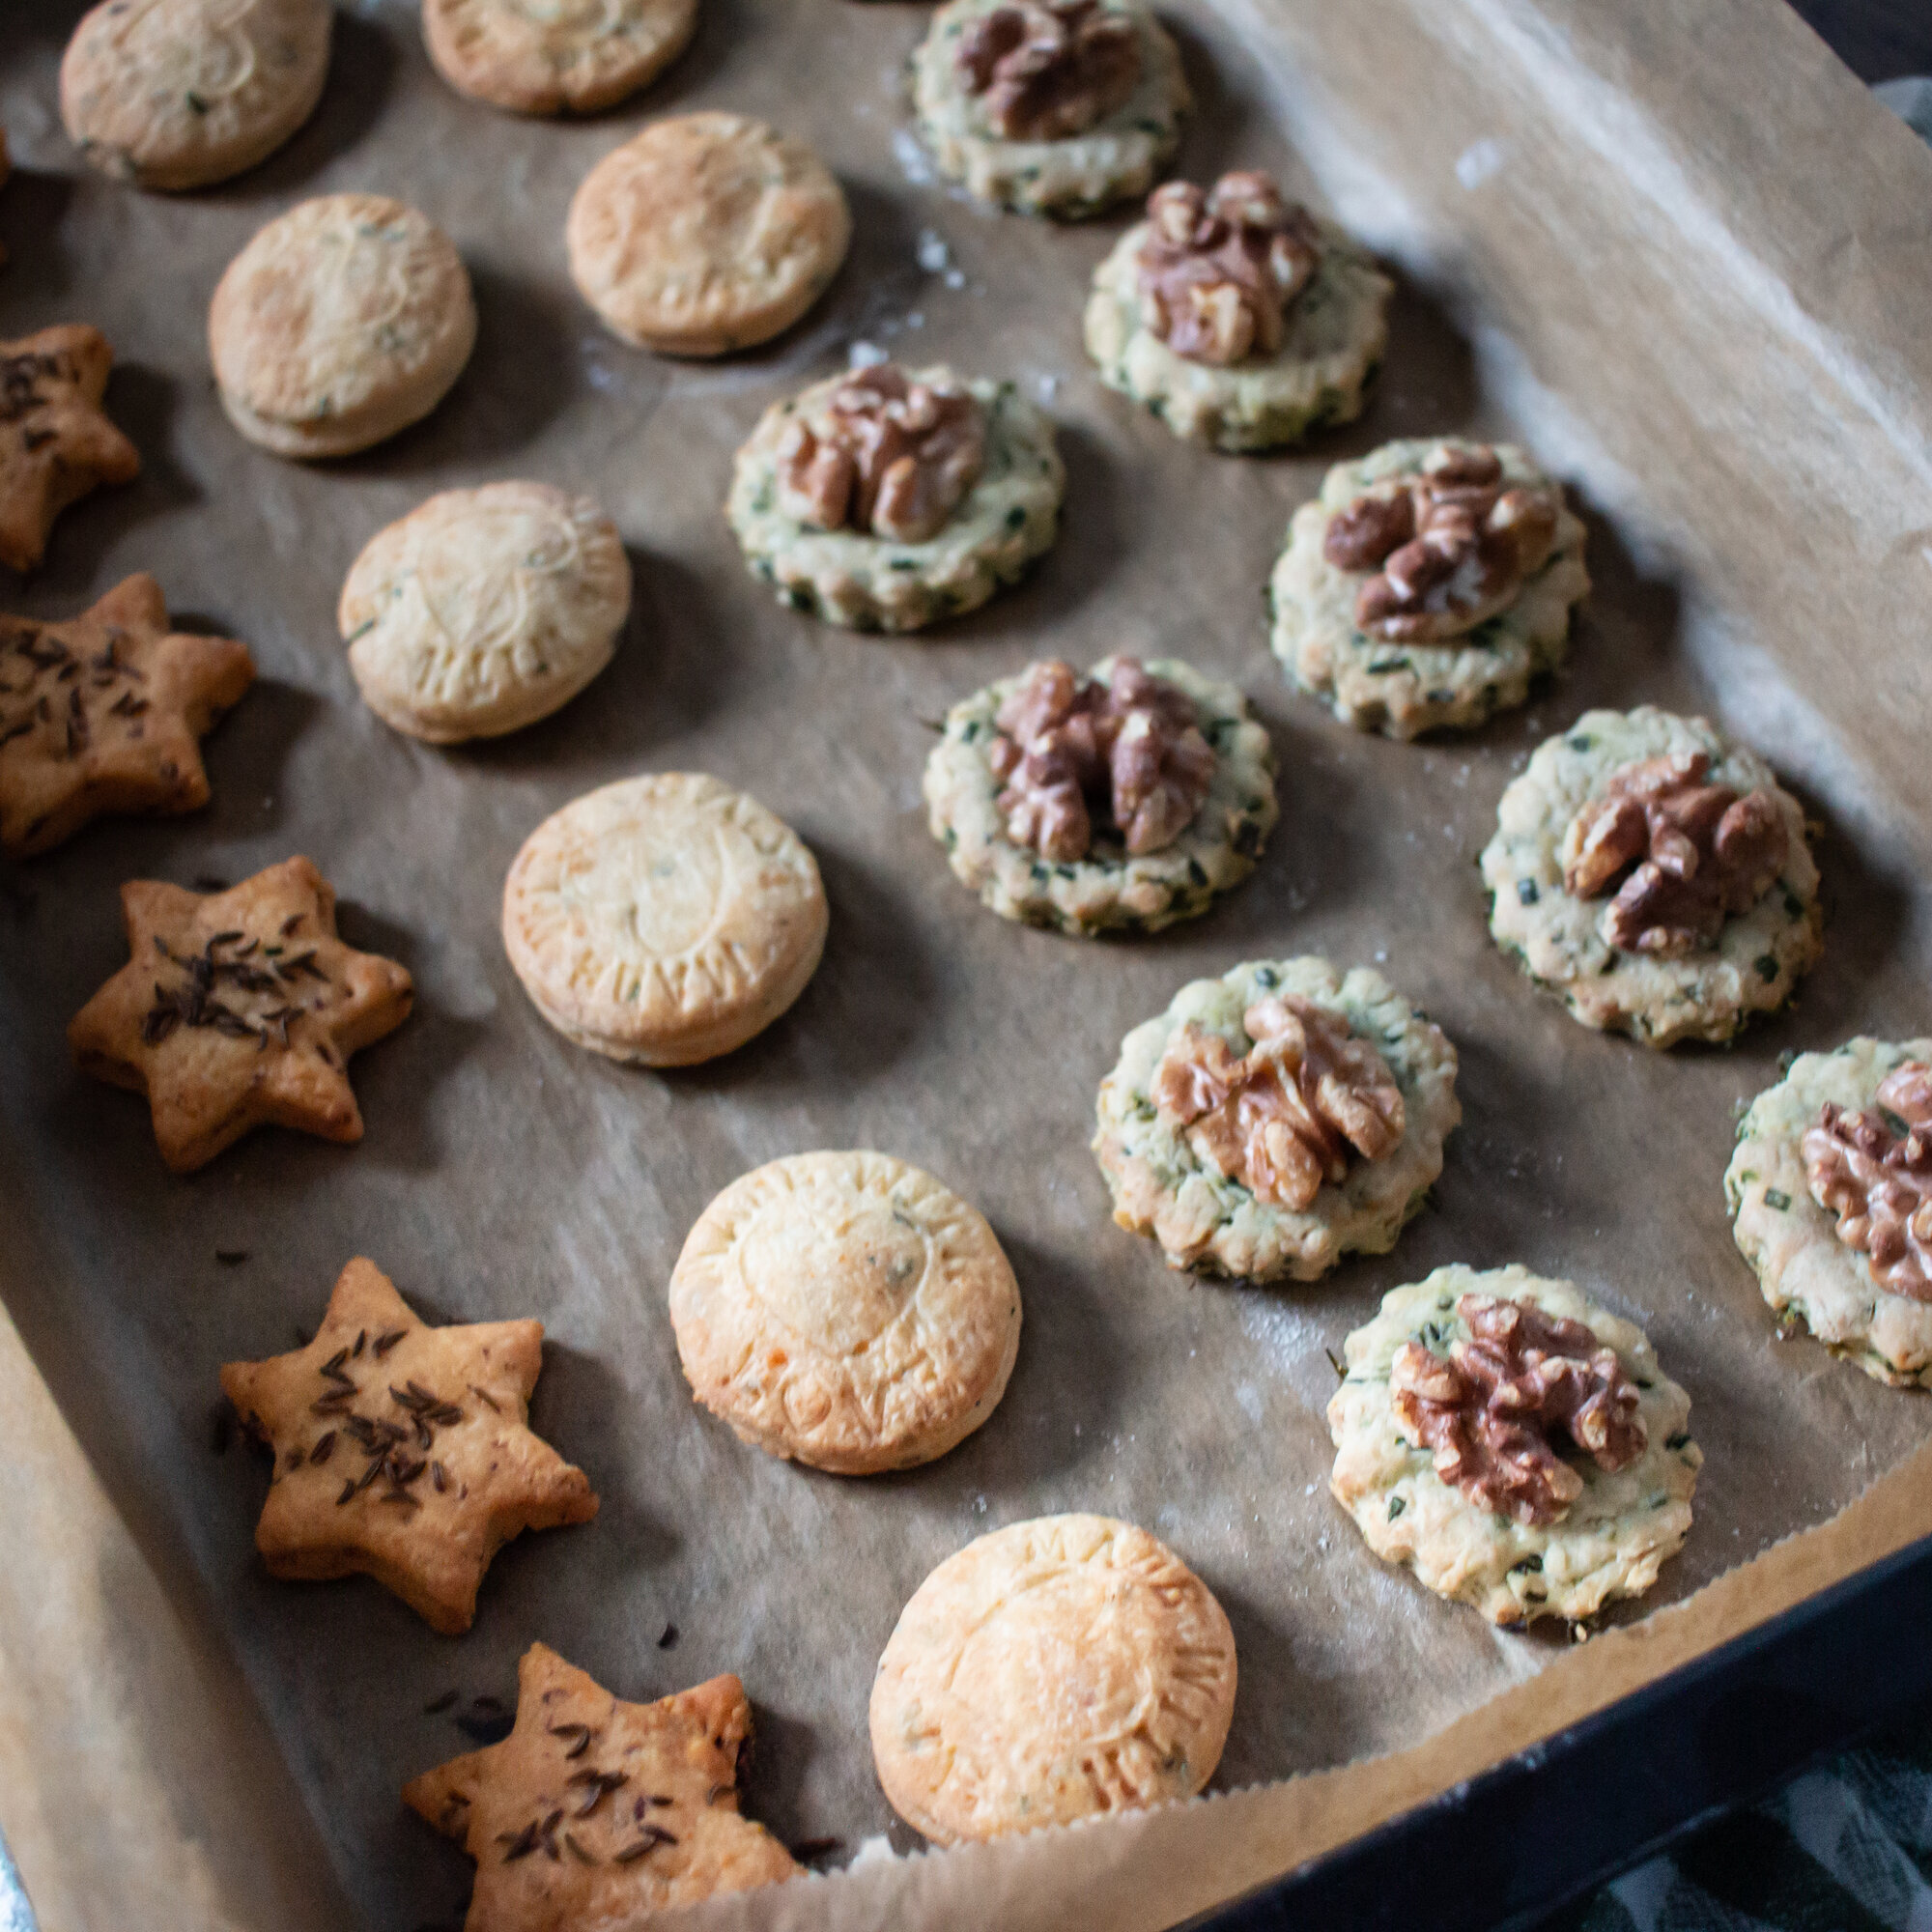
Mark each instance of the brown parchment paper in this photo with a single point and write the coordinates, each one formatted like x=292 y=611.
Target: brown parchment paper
x=1683 y=256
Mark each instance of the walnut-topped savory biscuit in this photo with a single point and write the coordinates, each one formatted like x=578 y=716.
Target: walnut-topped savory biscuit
x=1123 y=800
x=1514 y=1444
x=845 y=1310
x=1054 y=107
x=236 y=1010
x=597 y=1812
x=344 y=321
x=1830 y=1194
x=664 y=920
x=1655 y=876
x=1056 y=1669
x=1276 y=1119
x=1427 y=584
x=56 y=443
x=179 y=93
x=557 y=55
x=1238 y=316
x=103 y=714
x=706 y=233
x=401 y=1451
x=888 y=497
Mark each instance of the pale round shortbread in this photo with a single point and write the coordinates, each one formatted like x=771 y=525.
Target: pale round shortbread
x=553 y=56
x=1812 y=1279
x=706 y=233
x=1056 y=1669
x=1611 y=1541
x=177 y=93
x=1557 y=938
x=664 y=920
x=845 y=1310
x=342 y=322
x=1070 y=179
x=484 y=609
x=1209 y=1221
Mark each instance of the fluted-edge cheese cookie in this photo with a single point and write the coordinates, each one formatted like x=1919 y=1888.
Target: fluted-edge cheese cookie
x=1813 y=1279
x=485 y=610
x=1056 y=1669
x=1403 y=689
x=664 y=920
x=706 y=233
x=1009 y=517
x=179 y=93
x=1564 y=942
x=1068 y=176
x=845 y=1310
x=344 y=321
x=1109 y=888
x=1613 y=1532
x=547 y=58
x=1163 y=1172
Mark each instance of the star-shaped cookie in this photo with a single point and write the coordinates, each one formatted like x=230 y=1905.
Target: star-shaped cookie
x=56 y=443
x=102 y=714
x=237 y=1008
x=402 y=1451
x=597 y=1812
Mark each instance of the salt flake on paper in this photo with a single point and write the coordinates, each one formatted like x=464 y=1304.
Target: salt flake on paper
x=865 y=356
x=1479 y=160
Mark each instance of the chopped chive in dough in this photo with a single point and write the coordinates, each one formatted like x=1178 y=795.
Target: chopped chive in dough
x=1775 y=1196
x=1766 y=967
x=1526 y=893
x=1395 y=1507
x=1678 y=1440
x=1581 y=742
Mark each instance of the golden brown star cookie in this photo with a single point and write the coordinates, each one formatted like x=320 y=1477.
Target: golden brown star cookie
x=593 y=1811
x=401 y=1451
x=102 y=714
x=237 y=1008
x=56 y=443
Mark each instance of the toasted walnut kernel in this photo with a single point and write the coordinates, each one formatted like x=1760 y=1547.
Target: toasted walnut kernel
x=1074 y=751
x=889 y=456
x=1873 y=1171
x=1281 y=1118
x=1701 y=853
x=1044 y=70
x=1489 y=1408
x=1449 y=548
x=1218 y=270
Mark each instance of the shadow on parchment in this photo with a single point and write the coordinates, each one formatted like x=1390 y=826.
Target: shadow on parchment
x=31 y=207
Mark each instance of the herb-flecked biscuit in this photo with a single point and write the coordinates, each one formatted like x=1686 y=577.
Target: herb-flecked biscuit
x=551 y=56
x=1071 y=177
x=1556 y=938
x=1337 y=329
x=706 y=233
x=342 y=322
x=664 y=920
x=1613 y=1537
x=1809 y=1276
x=484 y=609
x=1210 y=1222
x=1404 y=688
x=1110 y=890
x=1010 y=516
x=177 y=93
x=1053 y=1670
x=845 y=1310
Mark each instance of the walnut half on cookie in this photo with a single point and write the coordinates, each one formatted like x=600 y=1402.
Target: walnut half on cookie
x=1514 y=1444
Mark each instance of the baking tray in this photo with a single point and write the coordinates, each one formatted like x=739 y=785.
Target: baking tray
x=505 y=1173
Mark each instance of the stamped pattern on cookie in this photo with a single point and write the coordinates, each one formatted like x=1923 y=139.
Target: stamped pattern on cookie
x=402 y=1451
x=1061 y=1668
x=597 y=1812
x=546 y=56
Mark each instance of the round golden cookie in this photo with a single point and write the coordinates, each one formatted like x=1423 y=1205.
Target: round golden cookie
x=845 y=1310
x=664 y=920
x=1050 y=1671
x=176 y=94
x=483 y=610
x=342 y=322
x=554 y=56
x=706 y=233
